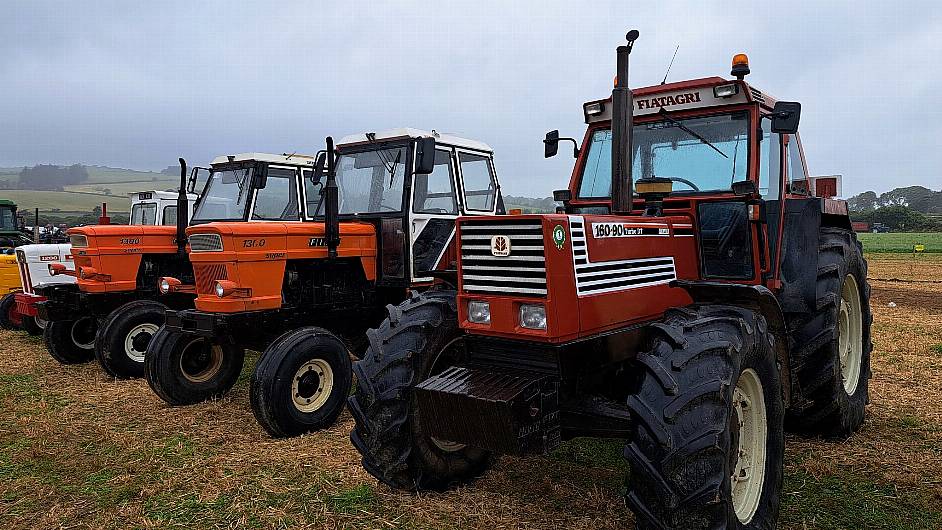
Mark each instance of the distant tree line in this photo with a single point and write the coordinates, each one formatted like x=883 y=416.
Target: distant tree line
x=50 y=177
x=911 y=209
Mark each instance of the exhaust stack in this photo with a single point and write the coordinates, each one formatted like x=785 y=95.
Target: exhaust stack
x=622 y=113
x=182 y=220
x=332 y=206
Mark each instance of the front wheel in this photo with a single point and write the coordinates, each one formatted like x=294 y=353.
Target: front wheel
x=34 y=325
x=71 y=341
x=419 y=339
x=10 y=318
x=301 y=383
x=124 y=336
x=184 y=369
x=709 y=447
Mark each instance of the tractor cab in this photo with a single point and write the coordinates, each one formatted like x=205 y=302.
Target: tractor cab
x=149 y=208
x=398 y=195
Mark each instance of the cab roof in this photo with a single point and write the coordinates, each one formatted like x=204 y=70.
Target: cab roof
x=7 y=202
x=285 y=158
x=682 y=95
x=410 y=133
x=159 y=195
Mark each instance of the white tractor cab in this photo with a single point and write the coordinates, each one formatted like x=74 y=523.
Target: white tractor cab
x=371 y=182
x=150 y=208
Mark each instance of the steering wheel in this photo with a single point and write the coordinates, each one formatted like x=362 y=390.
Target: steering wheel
x=683 y=181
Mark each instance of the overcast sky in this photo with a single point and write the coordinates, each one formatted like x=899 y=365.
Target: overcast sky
x=115 y=84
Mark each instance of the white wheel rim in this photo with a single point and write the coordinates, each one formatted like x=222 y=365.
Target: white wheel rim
x=850 y=334
x=40 y=323
x=212 y=364
x=748 y=473
x=445 y=445
x=86 y=343
x=311 y=385
x=133 y=352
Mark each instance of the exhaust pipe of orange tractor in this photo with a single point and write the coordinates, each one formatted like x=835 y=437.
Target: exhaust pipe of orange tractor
x=622 y=113
x=331 y=206
x=182 y=220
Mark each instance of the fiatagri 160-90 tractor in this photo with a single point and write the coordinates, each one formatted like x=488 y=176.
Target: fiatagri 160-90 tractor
x=115 y=307
x=692 y=298
x=375 y=221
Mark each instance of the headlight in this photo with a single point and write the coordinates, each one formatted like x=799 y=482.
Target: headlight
x=533 y=316
x=479 y=312
x=220 y=290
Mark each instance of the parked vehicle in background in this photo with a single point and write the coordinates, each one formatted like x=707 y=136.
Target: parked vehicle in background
x=10 y=238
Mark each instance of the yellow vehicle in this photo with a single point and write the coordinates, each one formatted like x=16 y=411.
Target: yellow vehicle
x=10 y=238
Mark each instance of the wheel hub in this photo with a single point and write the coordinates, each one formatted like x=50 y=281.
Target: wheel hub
x=311 y=385
x=200 y=360
x=850 y=334
x=748 y=445
x=83 y=332
x=137 y=339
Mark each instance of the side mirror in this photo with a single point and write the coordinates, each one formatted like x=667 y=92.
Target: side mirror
x=319 y=164
x=261 y=176
x=551 y=144
x=424 y=156
x=562 y=196
x=785 y=117
x=745 y=188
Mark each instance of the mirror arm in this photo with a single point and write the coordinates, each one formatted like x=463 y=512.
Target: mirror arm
x=575 y=145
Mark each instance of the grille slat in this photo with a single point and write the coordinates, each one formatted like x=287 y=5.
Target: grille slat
x=206 y=276
x=523 y=272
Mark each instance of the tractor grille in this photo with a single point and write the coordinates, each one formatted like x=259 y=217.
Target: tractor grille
x=205 y=243
x=609 y=276
x=522 y=272
x=23 y=267
x=206 y=276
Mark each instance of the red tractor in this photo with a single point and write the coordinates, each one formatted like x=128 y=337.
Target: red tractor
x=690 y=297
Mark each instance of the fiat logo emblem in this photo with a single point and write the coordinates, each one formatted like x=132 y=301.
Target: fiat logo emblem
x=500 y=246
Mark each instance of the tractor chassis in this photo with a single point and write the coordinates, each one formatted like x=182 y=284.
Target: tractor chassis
x=252 y=329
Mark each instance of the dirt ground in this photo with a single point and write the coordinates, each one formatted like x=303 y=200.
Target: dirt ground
x=78 y=449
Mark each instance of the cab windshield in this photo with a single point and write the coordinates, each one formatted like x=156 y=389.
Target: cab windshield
x=698 y=154
x=369 y=181
x=225 y=195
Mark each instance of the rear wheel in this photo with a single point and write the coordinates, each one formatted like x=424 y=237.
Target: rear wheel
x=831 y=346
x=10 y=318
x=708 y=448
x=184 y=369
x=124 y=336
x=301 y=383
x=419 y=339
x=71 y=341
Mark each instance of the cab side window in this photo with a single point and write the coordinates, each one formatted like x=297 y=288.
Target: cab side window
x=770 y=162
x=278 y=200
x=170 y=216
x=480 y=188
x=435 y=192
x=797 y=183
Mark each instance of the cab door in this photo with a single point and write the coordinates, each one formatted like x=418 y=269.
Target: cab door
x=432 y=213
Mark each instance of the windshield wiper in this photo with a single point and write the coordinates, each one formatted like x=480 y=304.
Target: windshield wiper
x=690 y=131
x=392 y=170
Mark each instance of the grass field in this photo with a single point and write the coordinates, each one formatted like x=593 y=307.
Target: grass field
x=78 y=449
x=901 y=241
x=104 y=184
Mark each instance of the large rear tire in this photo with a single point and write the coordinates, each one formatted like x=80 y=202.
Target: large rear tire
x=709 y=447
x=301 y=383
x=831 y=346
x=10 y=318
x=184 y=369
x=124 y=336
x=419 y=339
x=71 y=341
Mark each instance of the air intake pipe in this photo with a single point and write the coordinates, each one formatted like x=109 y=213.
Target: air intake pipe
x=331 y=206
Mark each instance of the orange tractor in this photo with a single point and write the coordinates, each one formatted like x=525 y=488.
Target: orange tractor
x=378 y=222
x=691 y=297
x=115 y=307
